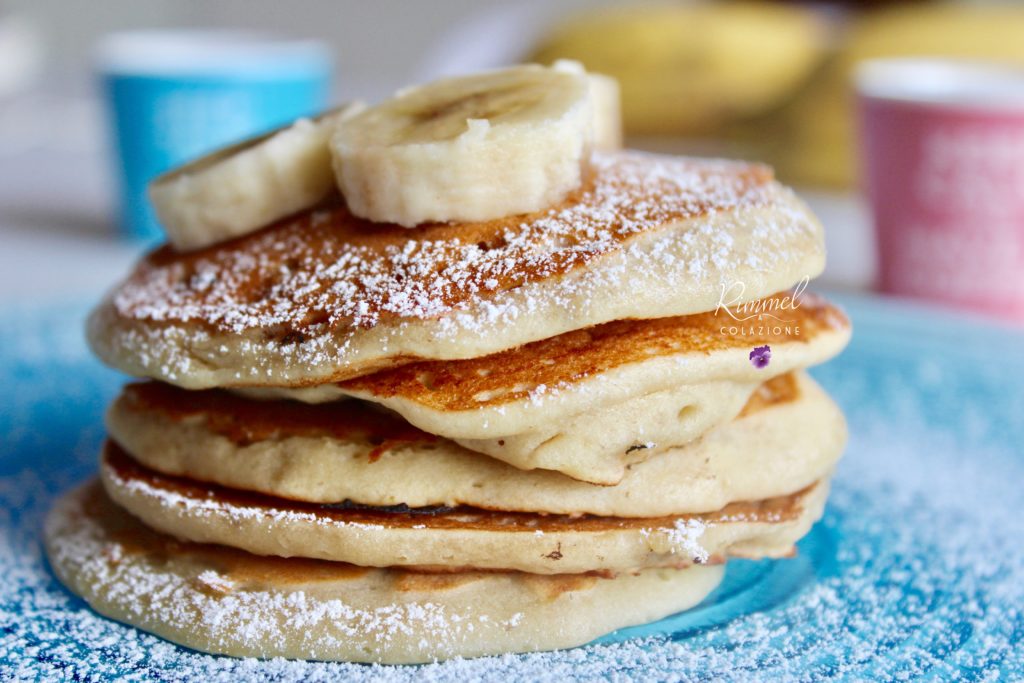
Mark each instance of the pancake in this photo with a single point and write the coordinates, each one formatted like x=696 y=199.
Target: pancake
x=594 y=446
x=324 y=296
x=789 y=435
x=587 y=402
x=225 y=601
x=460 y=538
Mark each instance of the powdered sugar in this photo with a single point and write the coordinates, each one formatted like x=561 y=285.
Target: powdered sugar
x=293 y=272
x=252 y=617
x=685 y=538
x=162 y=594
x=195 y=506
x=212 y=581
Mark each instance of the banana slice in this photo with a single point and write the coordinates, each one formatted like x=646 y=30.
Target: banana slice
x=606 y=102
x=604 y=91
x=472 y=148
x=246 y=186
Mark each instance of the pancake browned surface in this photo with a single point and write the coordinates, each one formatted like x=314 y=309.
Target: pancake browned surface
x=221 y=600
x=326 y=296
x=565 y=360
x=460 y=537
x=245 y=421
x=588 y=402
x=348 y=451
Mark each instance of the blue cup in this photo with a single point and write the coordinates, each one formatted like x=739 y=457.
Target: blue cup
x=176 y=95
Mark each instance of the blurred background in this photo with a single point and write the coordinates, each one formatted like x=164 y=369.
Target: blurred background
x=771 y=81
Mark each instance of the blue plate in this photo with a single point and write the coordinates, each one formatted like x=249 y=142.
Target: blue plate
x=916 y=570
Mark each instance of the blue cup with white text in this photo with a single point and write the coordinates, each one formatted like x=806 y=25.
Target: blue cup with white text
x=173 y=96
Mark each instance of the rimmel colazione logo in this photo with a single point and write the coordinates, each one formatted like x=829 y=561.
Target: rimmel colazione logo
x=768 y=317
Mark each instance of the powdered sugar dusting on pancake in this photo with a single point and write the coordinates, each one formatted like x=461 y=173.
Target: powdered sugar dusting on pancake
x=234 y=606
x=327 y=267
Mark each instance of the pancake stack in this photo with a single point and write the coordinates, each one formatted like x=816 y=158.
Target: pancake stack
x=362 y=441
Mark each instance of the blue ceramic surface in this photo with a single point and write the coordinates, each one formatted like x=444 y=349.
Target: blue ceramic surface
x=916 y=571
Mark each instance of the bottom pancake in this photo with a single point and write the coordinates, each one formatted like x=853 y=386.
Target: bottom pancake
x=457 y=538
x=226 y=601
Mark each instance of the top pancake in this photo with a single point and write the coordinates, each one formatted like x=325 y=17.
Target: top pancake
x=325 y=296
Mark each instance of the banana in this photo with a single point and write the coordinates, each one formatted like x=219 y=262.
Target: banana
x=606 y=101
x=688 y=67
x=604 y=93
x=246 y=186
x=472 y=148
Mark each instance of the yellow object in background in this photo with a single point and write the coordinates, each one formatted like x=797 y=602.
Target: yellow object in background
x=686 y=68
x=765 y=80
x=819 y=127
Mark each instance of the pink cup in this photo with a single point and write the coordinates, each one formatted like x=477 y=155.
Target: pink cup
x=943 y=146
